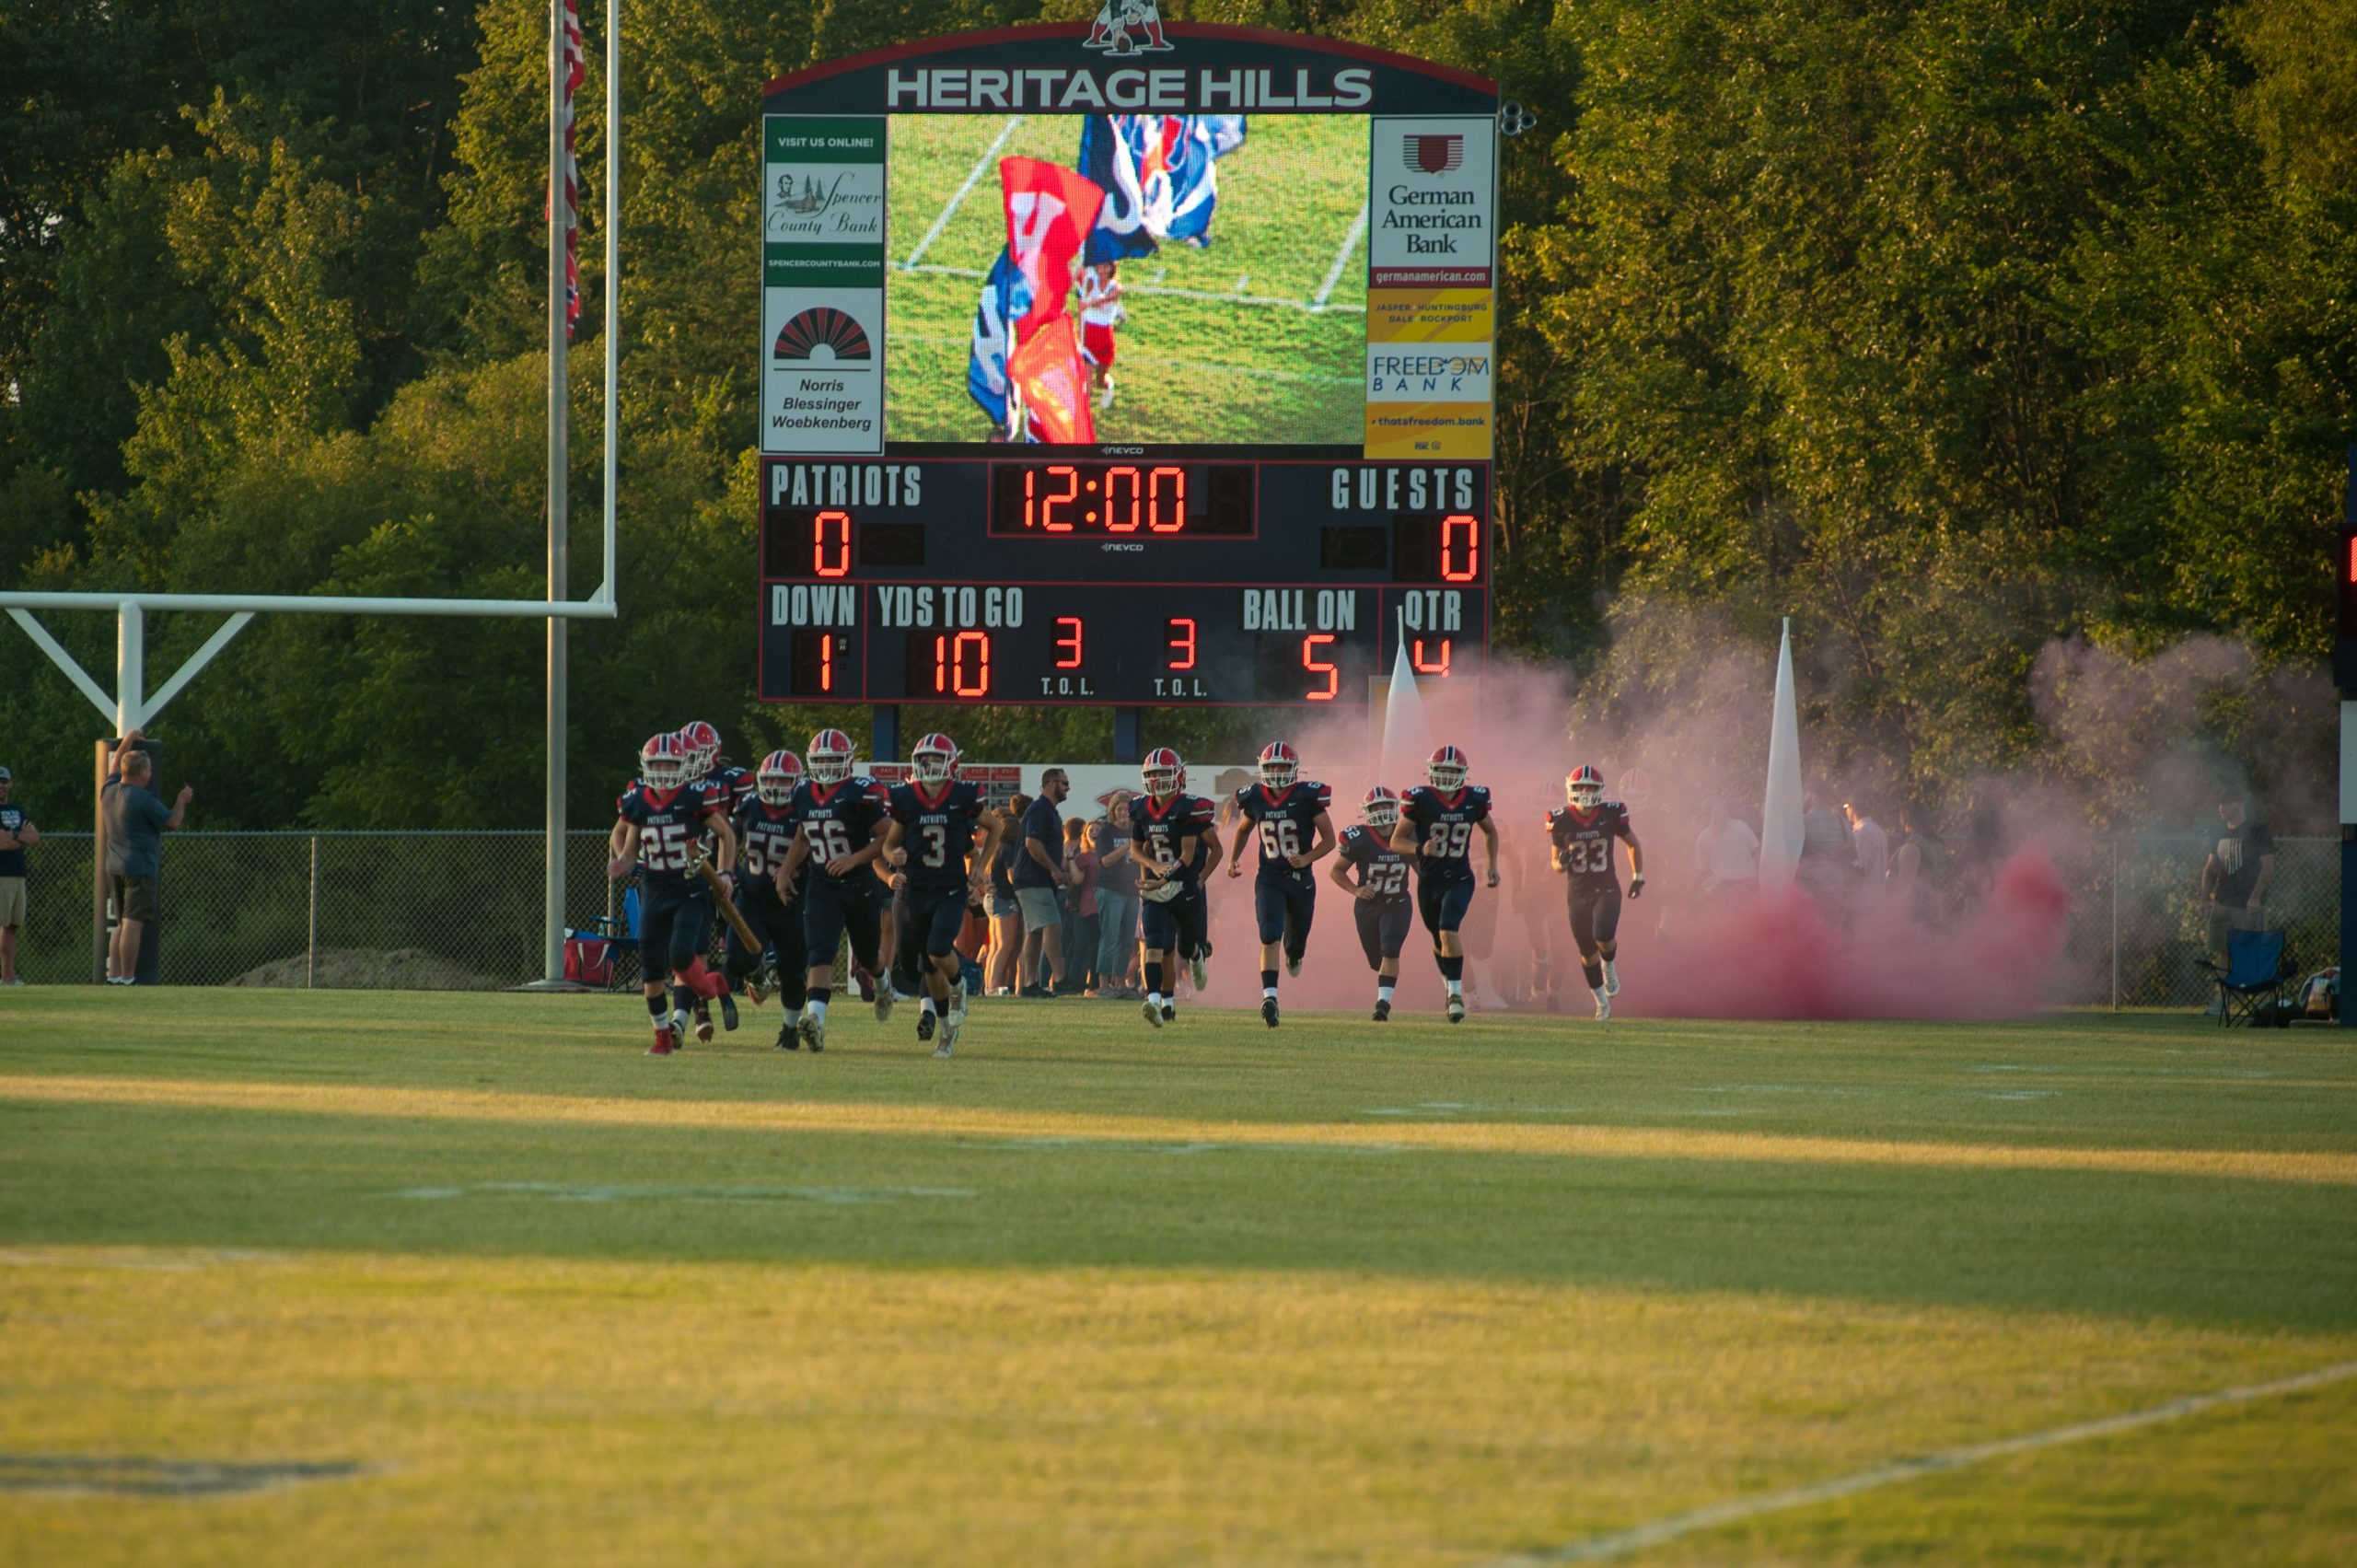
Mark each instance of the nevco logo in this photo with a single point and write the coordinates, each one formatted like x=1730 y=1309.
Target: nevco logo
x=1432 y=155
x=1128 y=26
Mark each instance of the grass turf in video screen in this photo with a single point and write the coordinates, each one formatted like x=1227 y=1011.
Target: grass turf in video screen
x=1065 y=401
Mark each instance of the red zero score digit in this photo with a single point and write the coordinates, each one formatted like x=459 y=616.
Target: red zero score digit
x=838 y=549
x=1311 y=646
x=1453 y=570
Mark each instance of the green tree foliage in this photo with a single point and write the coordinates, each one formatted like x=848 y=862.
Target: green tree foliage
x=1961 y=333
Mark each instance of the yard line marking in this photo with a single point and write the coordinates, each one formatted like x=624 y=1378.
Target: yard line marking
x=1159 y=291
x=1562 y=1140
x=973 y=177
x=1342 y=259
x=1134 y=358
x=1620 y=1543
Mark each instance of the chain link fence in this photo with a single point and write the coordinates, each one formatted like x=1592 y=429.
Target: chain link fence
x=462 y=911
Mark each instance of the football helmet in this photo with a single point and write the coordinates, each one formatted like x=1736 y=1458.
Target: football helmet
x=935 y=759
x=780 y=772
x=829 y=755
x=1636 y=786
x=1584 y=787
x=702 y=742
x=663 y=762
x=1446 y=770
x=1163 y=773
x=1279 y=765
x=1381 y=808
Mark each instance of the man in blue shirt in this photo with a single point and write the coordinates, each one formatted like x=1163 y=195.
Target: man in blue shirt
x=136 y=822
x=16 y=835
x=1038 y=875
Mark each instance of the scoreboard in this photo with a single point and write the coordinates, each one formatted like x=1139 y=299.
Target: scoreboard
x=970 y=515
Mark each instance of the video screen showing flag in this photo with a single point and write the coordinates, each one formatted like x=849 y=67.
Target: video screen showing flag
x=1157 y=279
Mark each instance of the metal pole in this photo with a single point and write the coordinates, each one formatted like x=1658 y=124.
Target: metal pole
x=311 y=947
x=2114 y=926
x=613 y=281
x=552 y=931
x=130 y=665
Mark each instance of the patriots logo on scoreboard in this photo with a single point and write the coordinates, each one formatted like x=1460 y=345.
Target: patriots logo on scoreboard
x=1433 y=155
x=1128 y=26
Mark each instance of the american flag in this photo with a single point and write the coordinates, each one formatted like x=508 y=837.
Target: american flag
x=574 y=69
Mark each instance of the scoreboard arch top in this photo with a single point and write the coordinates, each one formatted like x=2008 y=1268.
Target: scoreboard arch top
x=1275 y=568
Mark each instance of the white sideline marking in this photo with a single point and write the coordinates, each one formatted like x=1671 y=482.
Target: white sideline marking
x=1620 y=1543
x=1342 y=259
x=1156 y=290
x=1187 y=365
x=973 y=177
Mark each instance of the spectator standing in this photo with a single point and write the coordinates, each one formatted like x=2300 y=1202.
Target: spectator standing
x=17 y=834
x=1826 y=858
x=1728 y=853
x=1006 y=915
x=1038 y=877
x=1917 y=866
x=1117 y=898
x=136 y=822
x=2234 y=878
x=1080 y=909
x=1871 y=847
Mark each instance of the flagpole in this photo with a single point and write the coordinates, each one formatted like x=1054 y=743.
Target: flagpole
x=552 y=888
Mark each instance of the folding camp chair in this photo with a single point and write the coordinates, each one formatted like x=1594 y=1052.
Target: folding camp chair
x=622 y=933
x=2256 y=972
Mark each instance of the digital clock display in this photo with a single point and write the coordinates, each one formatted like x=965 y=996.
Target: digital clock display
x=1137 y=500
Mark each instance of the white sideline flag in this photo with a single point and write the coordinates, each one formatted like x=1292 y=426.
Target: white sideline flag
x=1780 y=814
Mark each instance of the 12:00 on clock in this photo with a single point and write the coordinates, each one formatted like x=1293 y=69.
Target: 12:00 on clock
x=1118 y=500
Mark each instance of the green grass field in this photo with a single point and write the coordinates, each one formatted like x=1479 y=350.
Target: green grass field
x=1257 y=336
x=1089 y=1293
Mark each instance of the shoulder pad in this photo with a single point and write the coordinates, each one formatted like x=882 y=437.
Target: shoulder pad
x=1325 y=795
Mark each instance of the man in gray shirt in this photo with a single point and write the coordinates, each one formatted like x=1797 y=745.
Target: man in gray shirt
x=136 y=822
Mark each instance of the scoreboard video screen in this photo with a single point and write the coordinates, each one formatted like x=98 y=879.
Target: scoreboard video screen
x=1129 y=364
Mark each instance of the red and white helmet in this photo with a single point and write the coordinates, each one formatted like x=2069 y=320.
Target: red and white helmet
x=1636 y=786
x=935 y=759
x=663 y=762
x=1446 y=770
x=830 y=757
x=779 y=772
x=702 y=742
x=1163 y=773
x=1279 y=765
x=1584 y=787
x=1381 y=808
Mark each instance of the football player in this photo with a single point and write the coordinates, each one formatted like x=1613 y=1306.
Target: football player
x=1381 y=891
x=707 y=766
x=1290 y=816
x=765 y=828
x=1582 y=833
x=659 y=818
x=1436 y=821
x=930 y=840
x=839 y=815
x=1175 y=839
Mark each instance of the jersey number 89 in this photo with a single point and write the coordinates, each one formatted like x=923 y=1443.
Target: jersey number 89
x=1447 y=841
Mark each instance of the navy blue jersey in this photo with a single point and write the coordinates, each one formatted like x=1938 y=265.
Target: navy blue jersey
x=839 y=820
x=1585 y=843
x=12 y=861
x=736 y=784
x=1163 y=827
x=1444 y=826
x=767 y=832
x=669 y=823
x=1381 y=868
x=1286 y=820
x=937 y=834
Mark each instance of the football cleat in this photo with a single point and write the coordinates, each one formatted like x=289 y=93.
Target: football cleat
x=1456 y=1009
x=1448 y=769
x=1105 y=391
x=1197 y=973
x=787 y=1038
x=702 y=742
x=727 y=1011
x=925 y=1020
x=884 y=1003
x=1293 y=967
x=1382 y=1012
x=863 y=983
x=829 y=757
x=679 y=1025
x=1268 y=1011
x=1381 y=809
x=957 y=1006
x=1611 y=979
x=662 y=1046
x=1169 y=1012
x=775 y=779
x=1153 y=1012
x=948 y=1046
x=1603 y=1006
x=1584 y=789
x=704 y=1023
x=1279 y=765
x=935 y=760
x=663 y=762
x=1162 y=773
x=761 y=982
x=813 y=1030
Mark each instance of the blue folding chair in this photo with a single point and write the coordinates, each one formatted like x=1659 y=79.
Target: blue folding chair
x=2256 y=969
x=622 y=935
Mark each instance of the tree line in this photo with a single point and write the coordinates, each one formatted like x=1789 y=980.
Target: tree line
x=1959 y=331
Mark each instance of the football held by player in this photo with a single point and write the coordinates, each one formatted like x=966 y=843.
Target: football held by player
x=659 y=819
x=1438 y=819
x=1288 y=817
x=766 y=830
x=839 y=816
x=1174 y=838
x=1380 y=897
x=1582 y=833
x=931 y=842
